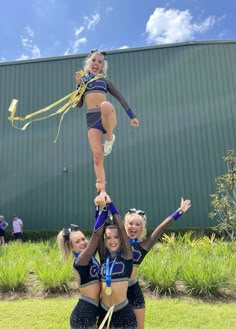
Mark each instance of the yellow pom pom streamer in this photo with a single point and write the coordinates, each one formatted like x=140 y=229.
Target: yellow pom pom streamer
x=73 y=99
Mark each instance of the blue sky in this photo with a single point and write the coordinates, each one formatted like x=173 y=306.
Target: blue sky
x=48 y=28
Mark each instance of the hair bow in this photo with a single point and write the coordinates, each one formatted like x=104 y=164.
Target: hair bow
x=139 y=212
x=67 y=231
x=100 y=52
x=109 y=220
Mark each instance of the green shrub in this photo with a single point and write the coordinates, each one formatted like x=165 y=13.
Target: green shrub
x=205 y=269
x=224 y=200
x=160 y=270
x=203 y=277
x=203 y=266
x=53 y=273
x=13 y=270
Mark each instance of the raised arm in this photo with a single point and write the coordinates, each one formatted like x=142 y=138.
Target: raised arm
x=148 y=243
x=92 y=246
x=126 y=248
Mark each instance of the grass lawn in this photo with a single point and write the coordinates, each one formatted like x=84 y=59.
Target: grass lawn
x=164 y=313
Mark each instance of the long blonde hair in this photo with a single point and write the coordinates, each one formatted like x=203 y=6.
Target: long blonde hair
x=88 y=60
x=65 y=245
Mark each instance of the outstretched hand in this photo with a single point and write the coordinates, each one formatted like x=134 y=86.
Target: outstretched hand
x=185 y=204
x=134 y=122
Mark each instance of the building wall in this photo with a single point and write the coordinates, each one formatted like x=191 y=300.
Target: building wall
x=184 y=98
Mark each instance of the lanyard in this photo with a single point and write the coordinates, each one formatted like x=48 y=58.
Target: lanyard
x=109 y=268
x=133 y=241
x=76 y=254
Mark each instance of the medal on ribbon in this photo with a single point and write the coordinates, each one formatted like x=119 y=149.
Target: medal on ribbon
x=108 y=291
x=109 y=268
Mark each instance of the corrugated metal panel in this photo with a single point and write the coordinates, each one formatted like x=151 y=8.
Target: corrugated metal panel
x=184 y=97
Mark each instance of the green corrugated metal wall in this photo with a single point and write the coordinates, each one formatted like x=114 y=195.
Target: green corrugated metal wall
x=184 y=96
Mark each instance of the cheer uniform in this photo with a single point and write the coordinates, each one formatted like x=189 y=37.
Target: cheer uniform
x=123 y=315
x=85 y=312
x=134 y=293
x=103 y=86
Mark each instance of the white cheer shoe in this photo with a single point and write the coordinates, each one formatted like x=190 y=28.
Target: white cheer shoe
x=107 y=147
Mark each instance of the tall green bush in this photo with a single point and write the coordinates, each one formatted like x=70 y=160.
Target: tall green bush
x=54 y=274
x=224 y=200
x=13 y=269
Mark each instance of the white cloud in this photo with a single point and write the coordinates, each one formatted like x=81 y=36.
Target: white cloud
x=89 y=24
x=123 y=47
x=79 y=30
x=29 y=31
x=75 y=46
x=222 y=35
x=35 y=52
x=2 y=59
x=22 y=57
x=29 y=46
x=92 y=21
x=172 y=25
x=206 y=25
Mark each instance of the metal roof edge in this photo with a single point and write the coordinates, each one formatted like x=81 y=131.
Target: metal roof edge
x=116 y=51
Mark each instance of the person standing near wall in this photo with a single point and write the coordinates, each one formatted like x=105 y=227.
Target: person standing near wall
x=3 y=226
x=17 y=226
